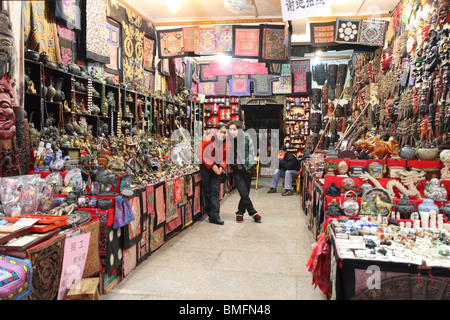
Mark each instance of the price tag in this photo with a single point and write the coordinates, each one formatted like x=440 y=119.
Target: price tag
x=26 y=222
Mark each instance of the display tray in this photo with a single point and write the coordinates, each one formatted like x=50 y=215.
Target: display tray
x=9 y=232
x=45 y=222
x=17 y=246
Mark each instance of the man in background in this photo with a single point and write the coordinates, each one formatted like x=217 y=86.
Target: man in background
x=289 y=168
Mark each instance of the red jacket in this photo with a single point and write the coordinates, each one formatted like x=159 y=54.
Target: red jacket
x=207 y=152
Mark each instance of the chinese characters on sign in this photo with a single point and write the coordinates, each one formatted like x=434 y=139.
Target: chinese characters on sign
x=297 y=9
x=75 y=254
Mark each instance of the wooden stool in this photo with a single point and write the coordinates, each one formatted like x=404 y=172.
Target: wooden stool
x=88 y=290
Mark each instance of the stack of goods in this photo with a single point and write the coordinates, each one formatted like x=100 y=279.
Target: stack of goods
x=400 y=93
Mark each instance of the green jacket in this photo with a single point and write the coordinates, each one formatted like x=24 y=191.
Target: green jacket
x=247 y=155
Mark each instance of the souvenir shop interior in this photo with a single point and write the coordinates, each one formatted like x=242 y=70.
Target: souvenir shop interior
x=102 y=103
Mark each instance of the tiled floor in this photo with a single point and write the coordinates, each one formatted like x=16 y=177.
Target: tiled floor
x=231 y=262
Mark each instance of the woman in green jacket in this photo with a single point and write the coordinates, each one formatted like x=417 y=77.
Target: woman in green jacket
x=244 y=160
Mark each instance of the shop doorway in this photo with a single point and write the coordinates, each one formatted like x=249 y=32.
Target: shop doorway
x=267 y=117
x=264 y=117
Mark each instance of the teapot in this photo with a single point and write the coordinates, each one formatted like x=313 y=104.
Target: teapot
x=350 y=207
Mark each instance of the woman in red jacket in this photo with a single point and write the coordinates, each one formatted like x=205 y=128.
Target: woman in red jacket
x=214 y=154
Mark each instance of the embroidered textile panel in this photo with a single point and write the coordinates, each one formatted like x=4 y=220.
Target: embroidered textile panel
x=149 y=53
x=149 y=79
x=373 y=32
x=134 y=228
x=347 y=30
x=300 y=70
x=69 y=11
x=129 y=260
x=186 y=213
x=237 y=68
x=195 y=72
x=160 y=205
x=286 y=69
x=224 y=38
x=262 y=84
x=221 y=86
x=93 y=264
x=143 y=246
x=40 y=32
x=170 y=43
x=206 y=74
x=134 y=28
x=197 y=202
x=189 y=39
x=177 y=190
x=67 y=44
x=150 y=199
x=282 y=86
x=170 y=201
x=103 y=217
x=96 y=41
x=114 y=40
x=15 y=278
x=205 y=41
x=272 y=44
x=246 y=42
x=156 y=235
x=239 y=86
x=322 y=34
x=206 y=88
x=46 y=259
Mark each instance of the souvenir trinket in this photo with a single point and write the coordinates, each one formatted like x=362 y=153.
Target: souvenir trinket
x=331 y=167
x=404 y=207
x=342 y=167
x=376 y=170
x=333 y=209
x=334 y=191
x=435 y=190
x=350 y=207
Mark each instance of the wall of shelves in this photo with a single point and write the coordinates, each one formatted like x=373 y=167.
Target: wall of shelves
x=296 y=123
x=220 y=109
x=83 y=95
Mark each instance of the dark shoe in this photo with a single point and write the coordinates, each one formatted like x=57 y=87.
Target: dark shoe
x=256 y=217
x=272 y=190
x=216 y=221
x=288 y=193
x=239 y=218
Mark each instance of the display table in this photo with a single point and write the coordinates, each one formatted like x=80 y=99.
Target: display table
x=369 y=279
x=159 y=211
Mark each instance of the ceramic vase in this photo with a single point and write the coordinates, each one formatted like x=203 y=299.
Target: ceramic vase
x=427 y=153
x=427 y=205
x=59 y=94
x=51 y=91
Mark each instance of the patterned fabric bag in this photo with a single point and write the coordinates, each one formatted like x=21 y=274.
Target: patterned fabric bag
x=123 y=214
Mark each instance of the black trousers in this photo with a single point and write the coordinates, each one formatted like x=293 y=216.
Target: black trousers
x=243 y=181
x=211 y=189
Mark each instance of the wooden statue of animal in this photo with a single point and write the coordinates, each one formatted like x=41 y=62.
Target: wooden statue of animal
x=377 y=147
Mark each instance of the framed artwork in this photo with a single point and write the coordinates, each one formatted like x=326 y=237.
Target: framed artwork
x=246 y=42
x=171 y=43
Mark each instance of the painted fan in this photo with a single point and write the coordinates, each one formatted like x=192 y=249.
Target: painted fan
x=407 y=287
x=244 y=7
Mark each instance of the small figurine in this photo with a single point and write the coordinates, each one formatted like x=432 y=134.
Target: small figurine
x=436 y=191
x=48 y=156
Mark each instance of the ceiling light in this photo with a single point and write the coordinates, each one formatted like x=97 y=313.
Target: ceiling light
x=224 y=59
x=174 y=5
x=319 y=52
